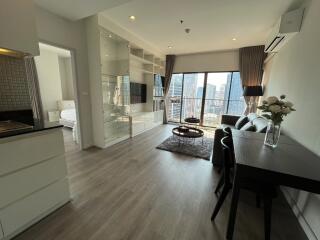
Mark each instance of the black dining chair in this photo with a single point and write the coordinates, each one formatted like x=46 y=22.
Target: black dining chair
x=226 y=132
x=226 y=177
x=264 y=189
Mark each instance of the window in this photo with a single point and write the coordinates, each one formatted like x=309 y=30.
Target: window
x=175 y=95
x=205 y=96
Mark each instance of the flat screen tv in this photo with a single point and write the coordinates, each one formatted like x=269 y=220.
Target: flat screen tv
x=138 y=93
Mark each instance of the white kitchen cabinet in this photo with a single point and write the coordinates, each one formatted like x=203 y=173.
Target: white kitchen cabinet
x=33 y=179
x=21 y=151
x=18 y=26
x=21 y=214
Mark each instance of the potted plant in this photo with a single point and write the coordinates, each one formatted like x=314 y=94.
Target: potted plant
x=275 y=109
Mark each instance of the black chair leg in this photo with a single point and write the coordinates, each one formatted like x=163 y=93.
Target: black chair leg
x=220 y=183
x=267 y=216
x=221 y=199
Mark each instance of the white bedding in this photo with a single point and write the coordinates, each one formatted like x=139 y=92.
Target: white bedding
x=69 y=115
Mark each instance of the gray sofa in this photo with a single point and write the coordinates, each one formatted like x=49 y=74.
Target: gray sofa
x=252 y=121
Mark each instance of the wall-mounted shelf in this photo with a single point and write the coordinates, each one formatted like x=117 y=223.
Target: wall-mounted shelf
x=141 y=69
x=140 y=59
x=144 y=57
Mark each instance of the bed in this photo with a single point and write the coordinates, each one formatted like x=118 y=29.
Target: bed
x=68 y=117
x=67 y=113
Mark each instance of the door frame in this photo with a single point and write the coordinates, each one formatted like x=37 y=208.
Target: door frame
x=76 y=89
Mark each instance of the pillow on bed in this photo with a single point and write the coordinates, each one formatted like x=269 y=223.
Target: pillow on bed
x=69 y=114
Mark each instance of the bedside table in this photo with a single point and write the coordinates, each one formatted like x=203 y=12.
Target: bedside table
x=54 y=116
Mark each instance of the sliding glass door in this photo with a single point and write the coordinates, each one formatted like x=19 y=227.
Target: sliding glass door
x=192 y=95
x=216 y=97
x=175 y=98
x=205 y=96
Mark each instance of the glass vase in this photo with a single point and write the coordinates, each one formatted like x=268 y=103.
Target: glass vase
x=272 y=135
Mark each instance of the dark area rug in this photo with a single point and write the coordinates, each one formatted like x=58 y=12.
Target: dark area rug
x=191 y=147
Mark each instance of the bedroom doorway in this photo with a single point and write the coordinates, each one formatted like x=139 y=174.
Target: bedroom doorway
x=55 y=68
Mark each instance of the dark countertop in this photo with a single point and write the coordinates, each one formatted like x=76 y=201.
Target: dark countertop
x=36 y=128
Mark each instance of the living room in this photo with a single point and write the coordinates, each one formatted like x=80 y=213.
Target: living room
x=187 y=115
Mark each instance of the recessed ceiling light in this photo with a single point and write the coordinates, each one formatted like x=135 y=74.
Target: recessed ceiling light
x=170 y=47
x=110 y=36
x=234 y=39
x=132 y=18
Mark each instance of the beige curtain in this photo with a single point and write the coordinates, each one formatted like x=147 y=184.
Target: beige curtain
x=251 y=70
x=34 y=91
x=170 y=60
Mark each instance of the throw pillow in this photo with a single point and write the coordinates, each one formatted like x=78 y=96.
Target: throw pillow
x=248 y=127
x=241 y=122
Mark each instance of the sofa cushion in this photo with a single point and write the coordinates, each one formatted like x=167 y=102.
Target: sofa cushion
x=222 y=126
x=241 y=122
x=252 y=116
x=248 y=127
x=260 y=124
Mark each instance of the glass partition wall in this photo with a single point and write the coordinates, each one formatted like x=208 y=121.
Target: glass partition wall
x=205 y=96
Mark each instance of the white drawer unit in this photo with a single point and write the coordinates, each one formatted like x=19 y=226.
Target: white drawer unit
x=33 y=179
x=23 y=213
x=30 y=149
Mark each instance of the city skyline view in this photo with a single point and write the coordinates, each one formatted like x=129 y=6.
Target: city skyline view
x=223 y=95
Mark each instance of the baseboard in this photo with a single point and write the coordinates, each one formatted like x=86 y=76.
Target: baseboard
x=297 y=212
x=108 y=144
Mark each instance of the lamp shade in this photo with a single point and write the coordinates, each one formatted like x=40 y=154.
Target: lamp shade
x=252 y=91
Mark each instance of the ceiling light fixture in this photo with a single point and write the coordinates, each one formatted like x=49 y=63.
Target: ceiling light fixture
x=132 y=18
x=110 y=36
x=170 y=47
x=234 y=39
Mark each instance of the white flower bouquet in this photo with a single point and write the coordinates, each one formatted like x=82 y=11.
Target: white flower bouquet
x=275 y=108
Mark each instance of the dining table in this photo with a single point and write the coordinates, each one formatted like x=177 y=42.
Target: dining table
x=289 y=164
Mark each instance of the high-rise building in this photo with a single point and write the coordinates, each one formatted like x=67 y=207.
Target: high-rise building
x=234 y=95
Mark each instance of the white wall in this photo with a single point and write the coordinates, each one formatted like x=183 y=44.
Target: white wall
x=49 y=80
x=295 y=71
x=65 y=68
x=72 y=35
x=210 y=61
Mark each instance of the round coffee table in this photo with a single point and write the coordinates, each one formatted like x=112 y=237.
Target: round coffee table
x=183 y=132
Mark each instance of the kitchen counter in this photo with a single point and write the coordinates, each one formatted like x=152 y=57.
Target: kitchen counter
x=33 y=176
x=36 y=128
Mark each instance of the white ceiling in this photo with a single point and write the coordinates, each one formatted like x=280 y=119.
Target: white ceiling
x=77 y=9
x=213 y=23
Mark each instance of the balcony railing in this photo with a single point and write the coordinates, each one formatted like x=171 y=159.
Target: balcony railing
x=179 y=109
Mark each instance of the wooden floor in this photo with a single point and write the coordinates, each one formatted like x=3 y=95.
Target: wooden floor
x=134 y=191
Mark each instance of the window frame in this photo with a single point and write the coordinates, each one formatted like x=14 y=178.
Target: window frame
x=206 y=73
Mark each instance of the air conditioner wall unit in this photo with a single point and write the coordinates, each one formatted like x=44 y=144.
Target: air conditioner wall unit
x=288 y=26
